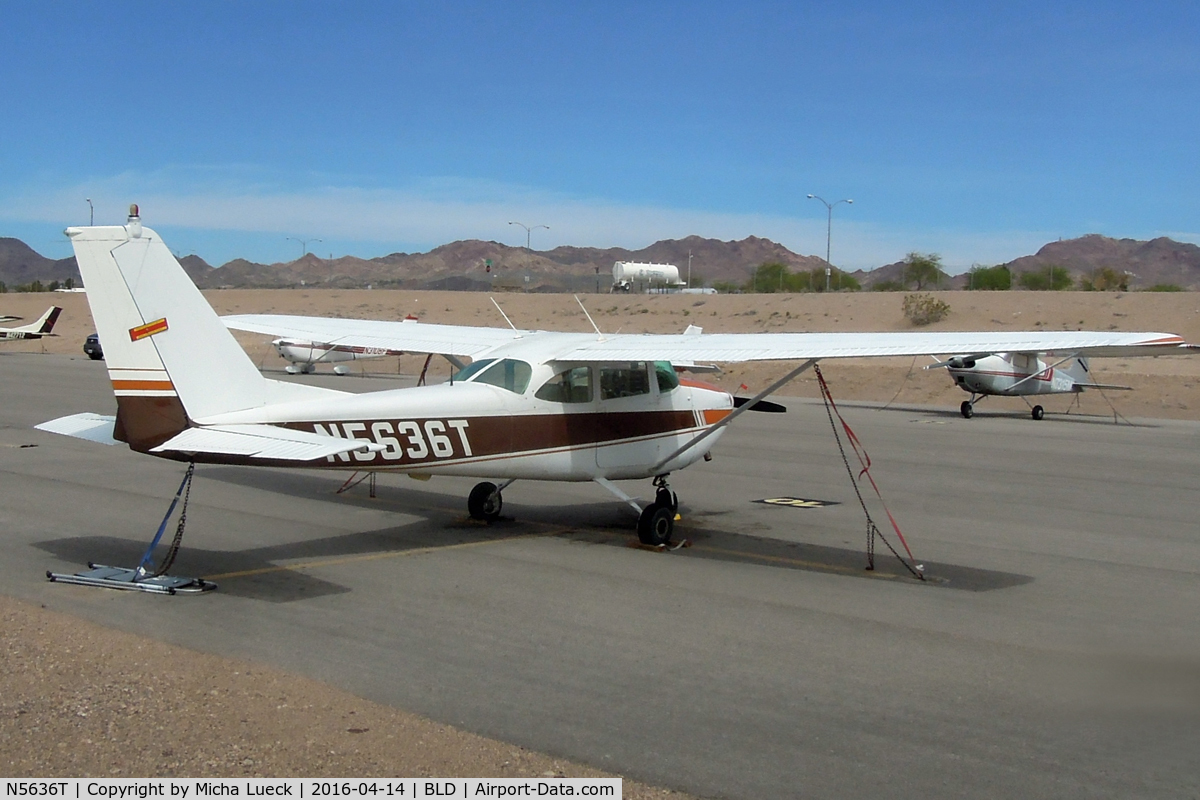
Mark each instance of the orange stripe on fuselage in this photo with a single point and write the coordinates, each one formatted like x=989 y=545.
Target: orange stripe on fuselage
x=714 y=415
x=155 y=386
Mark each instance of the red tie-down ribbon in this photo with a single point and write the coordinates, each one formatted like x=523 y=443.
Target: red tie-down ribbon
x=864 y=460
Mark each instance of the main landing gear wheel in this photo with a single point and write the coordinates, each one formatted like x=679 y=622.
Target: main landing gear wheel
x=656 y=524
x=967 y=409
x=1038 y=412
x=485 y=502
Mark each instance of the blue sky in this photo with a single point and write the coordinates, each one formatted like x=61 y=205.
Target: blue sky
x=976 y=133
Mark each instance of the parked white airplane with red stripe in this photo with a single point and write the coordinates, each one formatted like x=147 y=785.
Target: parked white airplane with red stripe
x=532 y=405
x=34 y=330
x=1020 y=375
x=303 y=356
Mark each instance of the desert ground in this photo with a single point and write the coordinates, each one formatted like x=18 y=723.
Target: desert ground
x=1167 y=387
x=53 y=702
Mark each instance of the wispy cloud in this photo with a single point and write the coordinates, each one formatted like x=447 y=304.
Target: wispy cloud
x=440 y=210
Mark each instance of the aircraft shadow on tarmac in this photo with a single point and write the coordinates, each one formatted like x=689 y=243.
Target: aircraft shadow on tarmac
x=982 y=413
x=281 y=572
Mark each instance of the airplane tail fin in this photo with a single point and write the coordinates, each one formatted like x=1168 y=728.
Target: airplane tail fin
x=43 y=326
x=1078 y=370
x=170 y=358
x=46 y=324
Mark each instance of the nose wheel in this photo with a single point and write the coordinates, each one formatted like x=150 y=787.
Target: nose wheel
x=967 y=409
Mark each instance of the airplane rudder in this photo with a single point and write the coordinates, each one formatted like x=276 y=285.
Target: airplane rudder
x=49 y=320
x=149 y=409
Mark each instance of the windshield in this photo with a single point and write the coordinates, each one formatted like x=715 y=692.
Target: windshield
x=470 y=369
x=508 y=374
x=667 y=378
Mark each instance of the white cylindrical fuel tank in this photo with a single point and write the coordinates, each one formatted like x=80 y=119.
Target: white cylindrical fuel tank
x=634 y=272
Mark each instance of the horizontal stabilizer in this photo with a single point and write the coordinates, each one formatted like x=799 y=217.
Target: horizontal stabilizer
x=262 y=441
x=93 y=427
x=1104 y=386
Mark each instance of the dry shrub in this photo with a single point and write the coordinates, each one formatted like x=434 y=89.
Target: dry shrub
x=924 y=309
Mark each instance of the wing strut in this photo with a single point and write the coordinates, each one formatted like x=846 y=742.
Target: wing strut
x=747 y=406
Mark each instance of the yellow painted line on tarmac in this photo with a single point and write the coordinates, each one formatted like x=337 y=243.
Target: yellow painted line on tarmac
x=416 y=551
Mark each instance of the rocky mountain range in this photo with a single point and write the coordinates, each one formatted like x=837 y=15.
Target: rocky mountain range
x=463 y=265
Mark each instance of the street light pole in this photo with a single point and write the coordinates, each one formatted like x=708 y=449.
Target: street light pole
x=689 y=285
x=528 y=250
x=528 y=230
x=303 y=244
x=828 y=232
x=91 y=212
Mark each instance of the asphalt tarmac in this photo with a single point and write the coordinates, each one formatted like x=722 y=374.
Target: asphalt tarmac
x=1053 y=651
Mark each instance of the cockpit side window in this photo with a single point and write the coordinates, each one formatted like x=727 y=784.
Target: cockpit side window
x=624 y=381
x=508 y=373
x=572 y=386
x=667 y=378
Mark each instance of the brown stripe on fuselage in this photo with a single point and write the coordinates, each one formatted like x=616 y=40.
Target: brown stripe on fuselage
x=491 y=436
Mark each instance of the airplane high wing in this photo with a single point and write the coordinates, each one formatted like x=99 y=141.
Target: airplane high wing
x=461 y=340
x=531 y=405
x=418 y=337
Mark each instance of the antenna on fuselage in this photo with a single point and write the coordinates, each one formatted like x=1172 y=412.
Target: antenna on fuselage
x=589 y=316
x=501 y=310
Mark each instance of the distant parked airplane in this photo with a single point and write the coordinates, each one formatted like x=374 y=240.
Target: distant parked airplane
x=34 y=330
x=1023 y=374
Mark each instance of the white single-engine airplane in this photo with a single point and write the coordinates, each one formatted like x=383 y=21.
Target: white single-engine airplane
x=1020 y=375
x=303 y=356
x=34 y=330
x=533 y=405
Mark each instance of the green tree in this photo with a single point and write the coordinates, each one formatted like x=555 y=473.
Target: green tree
x=839 y=280
x=768 y=278
x=922 y=270
x=1049 y=278
x=997 y=278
